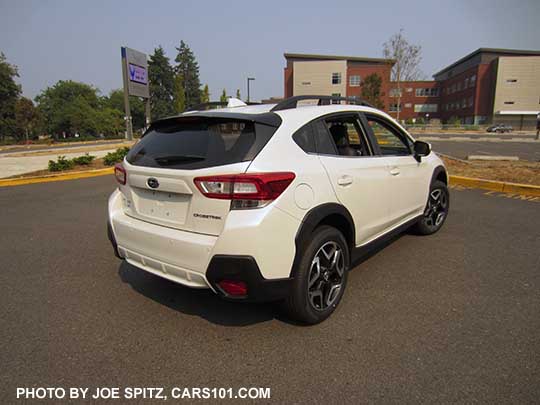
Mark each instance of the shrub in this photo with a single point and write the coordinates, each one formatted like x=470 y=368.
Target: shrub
x=117 y=156
x=83 y=160
x=61 y=164
x=455 y=121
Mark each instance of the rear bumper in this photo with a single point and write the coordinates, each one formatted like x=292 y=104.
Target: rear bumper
x=221 y=267
x=244 y=268
x=202 y=261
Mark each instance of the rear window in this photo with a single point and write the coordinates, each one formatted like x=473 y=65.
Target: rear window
x=199 y=142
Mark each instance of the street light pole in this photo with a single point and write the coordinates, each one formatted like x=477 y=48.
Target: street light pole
x=248 y=80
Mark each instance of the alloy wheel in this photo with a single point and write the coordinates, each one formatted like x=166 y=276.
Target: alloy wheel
x=325 y=279
x=437 y=208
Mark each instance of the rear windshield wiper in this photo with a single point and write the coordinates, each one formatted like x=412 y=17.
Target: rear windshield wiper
x=172 y=159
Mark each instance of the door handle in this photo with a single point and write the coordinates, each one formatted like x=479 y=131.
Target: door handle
x=345 y=180
x=394 y=171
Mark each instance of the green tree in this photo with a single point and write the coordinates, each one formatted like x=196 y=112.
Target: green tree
x=110 y=121
x=115 y=101
x=27 y=117
x=205 y=97
x=238 y=96
x=179 y=94
x=371 y=90
x=9 y=92
x=223 y=97
x=161 y=77
x=188 y=67
x=69 y=107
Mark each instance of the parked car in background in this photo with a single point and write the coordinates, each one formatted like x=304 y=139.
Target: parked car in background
x=501 y=128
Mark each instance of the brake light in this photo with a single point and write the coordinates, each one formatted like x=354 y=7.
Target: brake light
x=245 y=190
x=120 y=173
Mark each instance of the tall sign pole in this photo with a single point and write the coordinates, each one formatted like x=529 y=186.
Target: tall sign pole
x=127 y=115
x=135 y=78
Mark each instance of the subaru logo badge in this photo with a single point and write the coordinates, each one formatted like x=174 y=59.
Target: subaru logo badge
x=152 y=182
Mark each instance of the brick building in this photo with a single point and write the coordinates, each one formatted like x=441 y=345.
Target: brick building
x=488 y=85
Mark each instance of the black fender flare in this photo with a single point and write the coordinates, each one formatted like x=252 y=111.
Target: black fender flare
x=312 y=219
x=438 y=171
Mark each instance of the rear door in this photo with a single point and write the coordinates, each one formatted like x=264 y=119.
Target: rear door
x=161 y=169
x=409 y=179
x=359 y=179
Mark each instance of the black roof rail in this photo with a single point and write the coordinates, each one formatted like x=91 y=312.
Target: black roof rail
x=208 y=106
x=292 y=102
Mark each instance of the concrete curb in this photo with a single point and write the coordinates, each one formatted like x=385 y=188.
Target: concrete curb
x=500 y=186
x=56 y=177
x=493 y=158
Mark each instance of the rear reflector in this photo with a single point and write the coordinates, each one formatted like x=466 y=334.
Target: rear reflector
x=233 y=287
x=251 y=190
x=120 y=173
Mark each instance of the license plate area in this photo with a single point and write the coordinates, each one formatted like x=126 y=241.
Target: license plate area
x=162 y=206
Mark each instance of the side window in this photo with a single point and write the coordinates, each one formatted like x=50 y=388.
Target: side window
x=305 y=139
x=390 y=140
x=325 y=145
x=347 y=135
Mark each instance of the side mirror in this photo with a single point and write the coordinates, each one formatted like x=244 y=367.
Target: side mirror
x=421 y=149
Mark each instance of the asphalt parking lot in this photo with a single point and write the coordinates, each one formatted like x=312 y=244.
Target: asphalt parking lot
x=453 y=317
x=529 y=151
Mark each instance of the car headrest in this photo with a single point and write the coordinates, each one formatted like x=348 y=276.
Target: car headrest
x=340 y=134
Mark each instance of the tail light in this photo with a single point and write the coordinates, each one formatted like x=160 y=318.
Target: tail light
x=245 y=190
x=120 y=173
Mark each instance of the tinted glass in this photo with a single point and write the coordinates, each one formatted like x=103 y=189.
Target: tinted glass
x=347 y=135
x=305 y=139
x=195 y=142
x=390 y=141
x=323 y=143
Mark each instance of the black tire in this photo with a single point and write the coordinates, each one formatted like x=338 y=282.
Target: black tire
x=436 y=211
x=311 y=304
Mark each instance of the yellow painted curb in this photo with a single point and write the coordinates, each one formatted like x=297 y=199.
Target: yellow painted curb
x=500 y=186
x=56 y=177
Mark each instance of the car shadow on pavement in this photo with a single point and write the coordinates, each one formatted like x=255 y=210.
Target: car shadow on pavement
x=374 y=248
x=198 y=302
x=207 y=305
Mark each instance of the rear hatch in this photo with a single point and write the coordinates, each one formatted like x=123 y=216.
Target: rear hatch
x=161 y=168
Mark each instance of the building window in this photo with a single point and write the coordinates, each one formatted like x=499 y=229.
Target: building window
x=336 y=95
x=466 y=84
x=473 y=81
x=511 y=80
x=336 y=78
x=354 y=81
x=464 y=103
x=396 y=92
x=425 y=108
x=458 y=86
x=408 y=105
x=394 y=107
x=430 y=92
x=471 y=101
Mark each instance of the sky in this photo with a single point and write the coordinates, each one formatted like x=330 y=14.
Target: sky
x=51 y=40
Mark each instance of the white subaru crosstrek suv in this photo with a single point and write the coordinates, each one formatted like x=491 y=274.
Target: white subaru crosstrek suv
x=272 y=202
